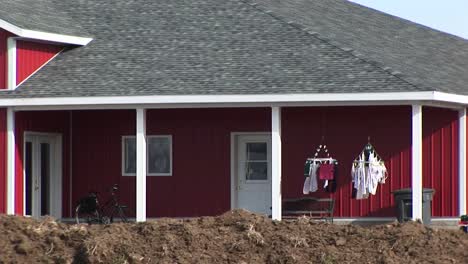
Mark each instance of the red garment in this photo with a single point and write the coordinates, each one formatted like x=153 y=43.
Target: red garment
x=327 y=172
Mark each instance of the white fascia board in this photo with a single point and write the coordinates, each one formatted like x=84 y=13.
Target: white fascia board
x=224 y=99
x=451 y=98
x=39 y=35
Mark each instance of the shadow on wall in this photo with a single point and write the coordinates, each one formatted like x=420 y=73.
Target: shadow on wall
x=346 y=131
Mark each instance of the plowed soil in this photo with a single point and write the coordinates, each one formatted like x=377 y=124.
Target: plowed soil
x=235 y=237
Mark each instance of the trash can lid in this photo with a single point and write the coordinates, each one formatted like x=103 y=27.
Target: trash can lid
x=410 y=191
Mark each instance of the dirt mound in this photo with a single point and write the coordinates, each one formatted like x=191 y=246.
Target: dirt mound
x=235 y=237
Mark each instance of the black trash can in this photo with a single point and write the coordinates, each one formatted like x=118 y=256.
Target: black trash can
x=404 y=204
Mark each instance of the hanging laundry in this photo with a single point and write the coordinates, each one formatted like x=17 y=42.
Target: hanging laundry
x=310 y=184
x=377 y=173
x=327 y=172
x=331 y=184
x=319 y=168
x=367 y=172
x=359 y=179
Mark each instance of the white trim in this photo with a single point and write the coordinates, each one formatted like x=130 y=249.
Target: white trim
x=39 y=68
x=234 y=176
x=56 y=176
x=364 y=219
x=276 y=163
x=11 y=63
x=462 y=161
x=141 y=165
x=233 y=171
x=228 y=100
x=122 y=162
x=70 y=162
x=148 y=137
x=10 y=161
x=417 y=161
x=441 y=219
x=451 y=98
x=32 y=34
x=430 y=98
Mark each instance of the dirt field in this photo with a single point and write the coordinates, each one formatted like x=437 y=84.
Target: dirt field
x=235 y=237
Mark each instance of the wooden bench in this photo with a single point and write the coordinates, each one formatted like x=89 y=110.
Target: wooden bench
x=319 y=208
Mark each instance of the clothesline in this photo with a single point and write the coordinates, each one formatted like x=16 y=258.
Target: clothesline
x=368 y=162
x=321 y=159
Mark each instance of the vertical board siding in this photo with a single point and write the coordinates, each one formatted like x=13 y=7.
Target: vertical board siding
x=31 y=56
x=346 y=131
x=200 y=184
x=47 y=122
x=440 y=159
x=96 y=154
x=3 y=160
x=3 y=58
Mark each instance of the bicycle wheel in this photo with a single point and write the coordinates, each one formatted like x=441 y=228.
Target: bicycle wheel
x=121 y=213
x=86 y=217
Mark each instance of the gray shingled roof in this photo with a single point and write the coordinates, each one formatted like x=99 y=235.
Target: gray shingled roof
x=49 y=16
x=428 y=58
x=164 y=47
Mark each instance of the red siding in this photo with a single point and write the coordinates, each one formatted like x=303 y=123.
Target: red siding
x=200 y=184
x=31 y=56
x=201 y=180
x=3 y=58
x=346 y=130
x=3 y=160
x=51 y=122
x=440 y=159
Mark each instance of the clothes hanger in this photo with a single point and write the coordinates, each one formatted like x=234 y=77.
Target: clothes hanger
x=320 y=148
x=368 y=148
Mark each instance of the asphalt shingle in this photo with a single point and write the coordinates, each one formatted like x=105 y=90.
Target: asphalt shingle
x=190 y=47
x=41 y=15
x=425 y=57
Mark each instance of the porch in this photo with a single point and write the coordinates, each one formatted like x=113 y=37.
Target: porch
x=421 y=147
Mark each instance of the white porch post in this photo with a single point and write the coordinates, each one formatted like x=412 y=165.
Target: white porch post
x=417 y=161
x=140 y=165
x=10 y=161
x=462 y=161
x=276 y=163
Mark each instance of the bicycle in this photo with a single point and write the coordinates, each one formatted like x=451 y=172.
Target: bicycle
x=91 y=211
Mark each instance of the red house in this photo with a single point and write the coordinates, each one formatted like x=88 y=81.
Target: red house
x=198 y=107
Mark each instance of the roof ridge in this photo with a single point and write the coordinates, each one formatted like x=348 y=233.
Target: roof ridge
x=336 y=44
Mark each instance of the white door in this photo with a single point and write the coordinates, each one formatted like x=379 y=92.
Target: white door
x=254 y=173
x=42 y=176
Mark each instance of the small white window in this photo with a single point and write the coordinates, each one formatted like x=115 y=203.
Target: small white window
x=128 y=156
x=159 y=155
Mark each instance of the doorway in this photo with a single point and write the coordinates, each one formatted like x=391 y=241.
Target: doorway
x=42 y=174
x=252 y=172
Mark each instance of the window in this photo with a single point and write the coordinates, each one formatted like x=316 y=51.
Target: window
x=256 y=161
x=159 y=155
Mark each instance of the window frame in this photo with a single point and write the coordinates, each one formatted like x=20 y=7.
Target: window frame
x=122 y=162
x=147 y=156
